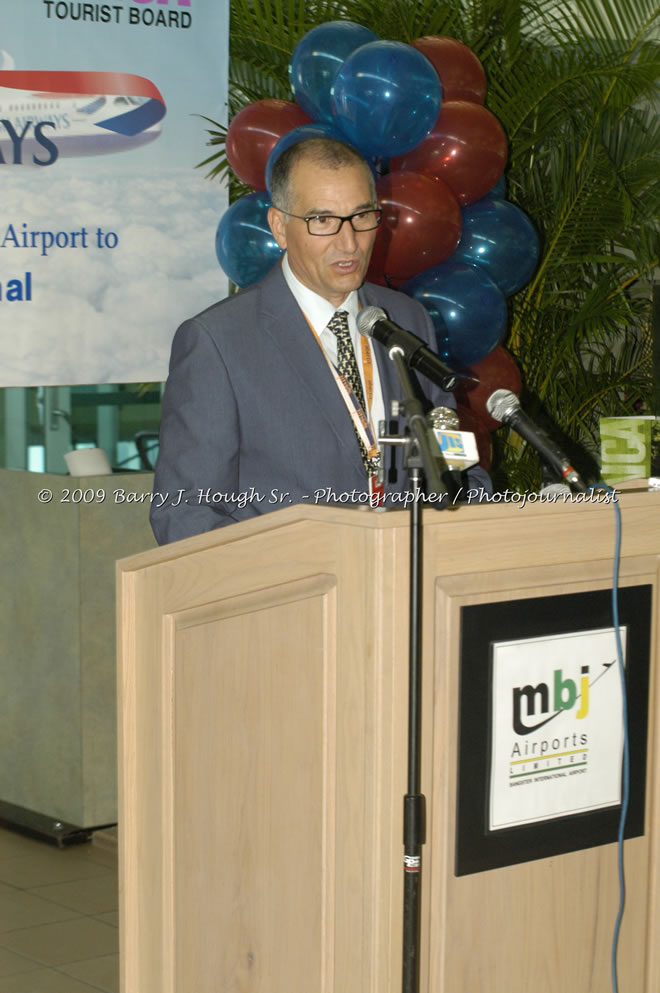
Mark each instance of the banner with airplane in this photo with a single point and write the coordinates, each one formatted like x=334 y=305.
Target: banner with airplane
x=107 y=228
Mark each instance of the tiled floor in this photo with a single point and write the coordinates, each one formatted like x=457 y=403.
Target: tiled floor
x=58 y=917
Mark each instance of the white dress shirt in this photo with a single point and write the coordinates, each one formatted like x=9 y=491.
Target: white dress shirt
x=319 y=312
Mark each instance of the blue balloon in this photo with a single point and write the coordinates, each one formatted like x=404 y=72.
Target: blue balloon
x=244 y=244
x=300 y=134
x=499 y=238
x=386 y=98
x=499 y=190
x=467 y=309
x=316 y=60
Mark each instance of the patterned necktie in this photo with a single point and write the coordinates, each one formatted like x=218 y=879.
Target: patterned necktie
x=348 y=368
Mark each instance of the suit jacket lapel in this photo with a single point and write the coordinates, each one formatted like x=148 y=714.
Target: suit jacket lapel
x=290 y=333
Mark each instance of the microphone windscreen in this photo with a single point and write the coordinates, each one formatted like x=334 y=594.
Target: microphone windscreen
x=368 y=317
x=501 y=404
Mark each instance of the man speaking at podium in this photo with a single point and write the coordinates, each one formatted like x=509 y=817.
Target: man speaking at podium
x=273 y=397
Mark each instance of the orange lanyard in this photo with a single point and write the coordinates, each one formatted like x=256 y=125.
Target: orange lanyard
x=368 y=370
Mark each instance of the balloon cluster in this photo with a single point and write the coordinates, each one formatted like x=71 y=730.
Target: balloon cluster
x=448 y=237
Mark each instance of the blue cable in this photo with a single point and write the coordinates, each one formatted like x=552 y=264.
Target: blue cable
x=625 y=793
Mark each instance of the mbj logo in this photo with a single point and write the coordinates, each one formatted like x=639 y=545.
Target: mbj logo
x=451 y=444
x=564 y=697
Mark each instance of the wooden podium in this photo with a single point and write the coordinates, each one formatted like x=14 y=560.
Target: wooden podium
x=263 y=724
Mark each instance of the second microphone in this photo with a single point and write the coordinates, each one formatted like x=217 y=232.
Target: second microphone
x=374 y=323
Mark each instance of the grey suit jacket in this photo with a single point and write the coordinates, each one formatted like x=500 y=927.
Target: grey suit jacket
x=252 y=419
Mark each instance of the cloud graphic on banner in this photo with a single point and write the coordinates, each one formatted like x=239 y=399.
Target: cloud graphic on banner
x=120 y=307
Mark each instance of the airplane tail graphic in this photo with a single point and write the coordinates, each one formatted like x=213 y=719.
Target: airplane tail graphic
x=56 y=82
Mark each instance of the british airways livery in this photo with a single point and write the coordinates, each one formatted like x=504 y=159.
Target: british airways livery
x=69 y=114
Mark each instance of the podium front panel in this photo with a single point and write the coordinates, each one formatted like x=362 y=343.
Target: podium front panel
x=263 y=723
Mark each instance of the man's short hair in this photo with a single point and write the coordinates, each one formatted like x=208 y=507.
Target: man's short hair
x=328 y=153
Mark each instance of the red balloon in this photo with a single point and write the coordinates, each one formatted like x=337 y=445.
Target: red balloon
x=460 y=71
x=470 y=422
x=467 y=148
x=421 y=226
x=253 y=134
x=497 y=371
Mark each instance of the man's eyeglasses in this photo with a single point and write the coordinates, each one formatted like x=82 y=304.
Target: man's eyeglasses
x=322 y=225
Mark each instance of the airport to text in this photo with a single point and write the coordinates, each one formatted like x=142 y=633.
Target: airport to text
x=22 y=236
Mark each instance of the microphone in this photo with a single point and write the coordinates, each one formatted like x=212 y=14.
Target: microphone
x=459 y=448
x=373 y=322
x=504 y=406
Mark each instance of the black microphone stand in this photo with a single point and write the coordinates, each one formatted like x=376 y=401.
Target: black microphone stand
x=419 y=455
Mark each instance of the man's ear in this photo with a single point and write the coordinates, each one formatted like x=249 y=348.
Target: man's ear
x=277 y=225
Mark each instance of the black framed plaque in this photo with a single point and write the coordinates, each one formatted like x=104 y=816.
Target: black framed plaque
x=541 y=725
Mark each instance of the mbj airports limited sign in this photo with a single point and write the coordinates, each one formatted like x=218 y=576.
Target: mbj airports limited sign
x=557 y=727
